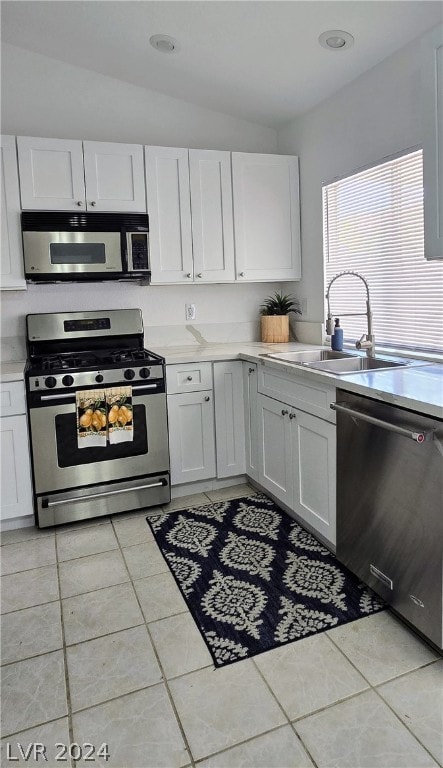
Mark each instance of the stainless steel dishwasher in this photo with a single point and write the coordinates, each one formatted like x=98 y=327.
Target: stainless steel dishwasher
x=389 y=506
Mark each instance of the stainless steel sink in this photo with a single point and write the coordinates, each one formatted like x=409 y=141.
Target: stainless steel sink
x=339 y=363
x=355 y=365
x=311 y=356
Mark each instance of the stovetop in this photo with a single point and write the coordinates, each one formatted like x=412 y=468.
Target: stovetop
x=90 y=360
x=82 y=349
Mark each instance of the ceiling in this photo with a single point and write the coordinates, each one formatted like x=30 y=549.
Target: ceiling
x=258 y=60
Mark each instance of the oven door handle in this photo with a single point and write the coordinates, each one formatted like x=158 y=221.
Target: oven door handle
x=58 y=397
x=418 y=437
x=67 y=395
x=105 y=493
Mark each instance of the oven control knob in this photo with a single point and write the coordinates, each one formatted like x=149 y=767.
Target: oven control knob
x=67 y=381
x=144 y=373
x=50 y=382
x=129 y=374
x=99 y=378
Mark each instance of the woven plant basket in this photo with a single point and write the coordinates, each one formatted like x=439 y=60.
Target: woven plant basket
x=275 y=329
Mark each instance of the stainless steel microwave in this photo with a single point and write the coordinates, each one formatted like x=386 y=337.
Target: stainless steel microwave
x=59 y=247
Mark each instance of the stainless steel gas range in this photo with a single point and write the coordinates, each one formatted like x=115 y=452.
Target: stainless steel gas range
x=73 y=351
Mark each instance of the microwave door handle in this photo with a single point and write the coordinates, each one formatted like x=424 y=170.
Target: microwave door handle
x=128 y=252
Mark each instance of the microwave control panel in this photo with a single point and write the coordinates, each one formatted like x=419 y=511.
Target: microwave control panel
x=138 y=251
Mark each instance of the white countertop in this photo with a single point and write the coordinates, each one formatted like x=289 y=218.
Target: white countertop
x=418 y=388
x=12 y=371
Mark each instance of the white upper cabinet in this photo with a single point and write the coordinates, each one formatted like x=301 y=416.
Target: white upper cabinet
x=169 y=208
x=114 y=176
x=266 y=216
x=12 y=275
x=65 y=175
x=432 y=82
x=51 y=174
x=190 y=215
x=211 y=208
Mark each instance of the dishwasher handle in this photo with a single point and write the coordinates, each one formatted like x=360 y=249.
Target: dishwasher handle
x=418 y=437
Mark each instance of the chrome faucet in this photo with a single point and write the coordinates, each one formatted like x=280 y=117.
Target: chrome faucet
x=367 y=341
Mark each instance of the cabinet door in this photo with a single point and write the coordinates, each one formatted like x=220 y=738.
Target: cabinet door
x=114 y=176
x=229 y=418
x=12 y=275
x=251 y=420
x=432 y=80
x=191 y=437
x=15 y=468
x=167 y=188
x=275 y=462
x=212 y=222
x=266 y=216
x=313 y=469
x=51 y=174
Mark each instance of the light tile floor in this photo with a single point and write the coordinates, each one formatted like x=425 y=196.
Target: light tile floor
x=98 y=647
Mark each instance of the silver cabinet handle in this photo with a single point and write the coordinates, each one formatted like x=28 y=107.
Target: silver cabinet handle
x=241 y=274
x=284 y=412
x=188 y=274
x=80 y=203
x=93 y=203
x=189 y=378
x=199 y=274
x=292 y=415
x=105 y=493
x=207 y=399
x=418 y=437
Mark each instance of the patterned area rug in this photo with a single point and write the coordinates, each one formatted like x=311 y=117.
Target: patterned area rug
x=254 y=579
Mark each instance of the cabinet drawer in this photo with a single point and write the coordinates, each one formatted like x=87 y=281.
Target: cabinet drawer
x=188 y=377
x=293 y=390
x=12 y=398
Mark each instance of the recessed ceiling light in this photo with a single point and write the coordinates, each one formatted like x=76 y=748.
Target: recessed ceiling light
x=336 y=40
x=164 y=43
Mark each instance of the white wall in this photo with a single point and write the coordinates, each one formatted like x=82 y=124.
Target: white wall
x=44 y=97
x=377 y=115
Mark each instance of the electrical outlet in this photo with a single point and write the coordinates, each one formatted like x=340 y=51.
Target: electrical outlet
x=190 y=311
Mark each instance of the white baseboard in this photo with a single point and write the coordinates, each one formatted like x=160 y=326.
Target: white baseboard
x=186 y=489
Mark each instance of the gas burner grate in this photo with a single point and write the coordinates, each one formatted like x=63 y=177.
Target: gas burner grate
x=129 y=356
x=65 y=361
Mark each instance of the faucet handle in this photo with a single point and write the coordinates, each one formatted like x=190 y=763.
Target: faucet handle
x=367 y=342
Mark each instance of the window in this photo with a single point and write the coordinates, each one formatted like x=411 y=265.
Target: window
x=373 y=224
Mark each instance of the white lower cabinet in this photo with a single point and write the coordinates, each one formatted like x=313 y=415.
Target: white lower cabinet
x=250 y=419
x=14 y=450
x=297 y=462
x=275 y=456
x=206 y=421
x=191 y=436
x=229 y=418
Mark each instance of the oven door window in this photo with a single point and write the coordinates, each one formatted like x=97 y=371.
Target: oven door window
x=70 y=455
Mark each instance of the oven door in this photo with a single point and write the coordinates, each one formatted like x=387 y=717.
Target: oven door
x=64 y=255
x=58 y=463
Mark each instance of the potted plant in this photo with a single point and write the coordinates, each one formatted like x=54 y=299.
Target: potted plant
x=275 y=317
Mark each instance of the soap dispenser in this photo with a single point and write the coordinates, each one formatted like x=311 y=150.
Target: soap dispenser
x=337 y=336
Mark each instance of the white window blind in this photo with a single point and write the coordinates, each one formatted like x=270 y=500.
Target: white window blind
x=373 y=224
